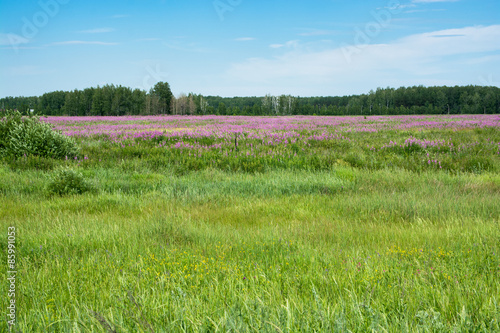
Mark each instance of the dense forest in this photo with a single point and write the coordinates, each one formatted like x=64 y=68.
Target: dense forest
x=111 y=100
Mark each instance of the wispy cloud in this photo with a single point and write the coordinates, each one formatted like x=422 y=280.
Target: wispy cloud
x=419 y=56
x=97 y=31
x=317 y=33
x=27 y=70
x=424 y=10
x=148 y=39
x=398 y=6
x=81 y=42
x=446 y=36
x=289 y=44
x=188 y=47
x=244 y=39
x=415 y=3
x=432 y=1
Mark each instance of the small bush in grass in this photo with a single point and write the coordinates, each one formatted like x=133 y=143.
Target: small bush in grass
x=64 y=181
x=25 y=136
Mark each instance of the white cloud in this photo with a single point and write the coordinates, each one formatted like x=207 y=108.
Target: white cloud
x=27 y=70
x=151 y=39
x=187 y=47
x=289 y=44
x=97 y=31
x=433 y=1
x=244 y=39
x=422 y=57
x=317 y=33
x=81 y=42
x=423 y=11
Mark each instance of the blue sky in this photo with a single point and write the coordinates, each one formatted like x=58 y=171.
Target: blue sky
x=248 y=47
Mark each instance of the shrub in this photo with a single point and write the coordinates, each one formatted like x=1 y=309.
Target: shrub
x=24 y=136
x=65 y=181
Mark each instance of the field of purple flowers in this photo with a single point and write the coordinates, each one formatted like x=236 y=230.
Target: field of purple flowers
x=456 y=143
x=259 y=224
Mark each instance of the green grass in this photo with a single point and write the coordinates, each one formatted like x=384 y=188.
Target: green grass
x=345 y=247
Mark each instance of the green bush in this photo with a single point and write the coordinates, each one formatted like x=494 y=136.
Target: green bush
x=24 y=136
x=65 y=181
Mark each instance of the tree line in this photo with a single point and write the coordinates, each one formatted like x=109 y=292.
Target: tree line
x=111 y=100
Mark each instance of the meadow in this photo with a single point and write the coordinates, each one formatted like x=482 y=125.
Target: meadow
x=258 y=224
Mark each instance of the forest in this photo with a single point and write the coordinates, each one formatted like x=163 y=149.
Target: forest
x=116 y=100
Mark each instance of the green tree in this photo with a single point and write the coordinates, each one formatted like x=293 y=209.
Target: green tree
x=442 y=101
x=164 y=94
x=97 y=102
x=221 y=109
x=138 y=102
x=87 y=98
x=73 y=105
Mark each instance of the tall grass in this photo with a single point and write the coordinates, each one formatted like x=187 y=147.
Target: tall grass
x=335 y=249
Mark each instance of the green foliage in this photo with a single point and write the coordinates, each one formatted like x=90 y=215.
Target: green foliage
x=28 y=136
x=346 y=237
x=164 y=96
x=111 y=100
x=66 y=181
x=33 y=163
x=265 y=251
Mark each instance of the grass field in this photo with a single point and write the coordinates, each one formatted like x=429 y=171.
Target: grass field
x=241 y=224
